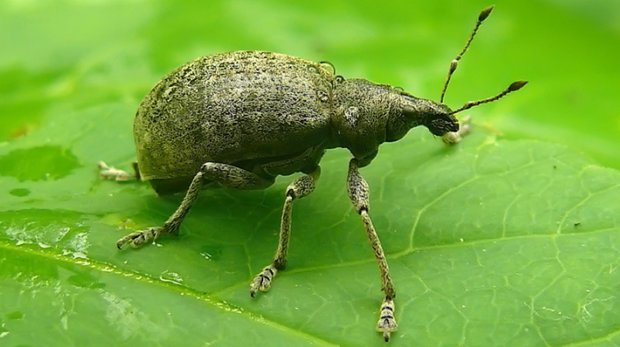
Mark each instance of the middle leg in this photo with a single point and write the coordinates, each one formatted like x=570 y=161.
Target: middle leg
x=301 y=187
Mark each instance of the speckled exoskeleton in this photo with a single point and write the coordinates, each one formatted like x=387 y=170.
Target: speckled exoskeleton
x=240 y=119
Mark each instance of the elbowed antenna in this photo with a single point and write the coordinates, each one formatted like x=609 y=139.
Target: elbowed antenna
x=513 y=87
x=453 y=64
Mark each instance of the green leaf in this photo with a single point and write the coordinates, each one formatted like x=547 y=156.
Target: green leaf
x=501 y=240
x=490 y=242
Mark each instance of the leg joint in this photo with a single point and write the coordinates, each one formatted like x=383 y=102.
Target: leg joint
x=206 y=167
x=290 y=193
x=279 y=264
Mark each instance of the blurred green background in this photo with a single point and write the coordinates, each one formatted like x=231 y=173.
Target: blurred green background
x=73 y=72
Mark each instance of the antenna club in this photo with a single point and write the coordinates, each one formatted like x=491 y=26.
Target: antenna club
x=485 y=13
x=514 y=86
x=453 y=65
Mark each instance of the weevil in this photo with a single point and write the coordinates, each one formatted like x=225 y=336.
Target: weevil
x=242 y=118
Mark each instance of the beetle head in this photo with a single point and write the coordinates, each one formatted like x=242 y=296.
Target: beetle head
x=408 y=112
x=442 y=123
x=439 y=119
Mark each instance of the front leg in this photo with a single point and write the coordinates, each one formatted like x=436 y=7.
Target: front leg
x=358 y=193
x=454 y=137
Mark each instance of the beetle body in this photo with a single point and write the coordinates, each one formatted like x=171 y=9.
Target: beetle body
x=267 y=113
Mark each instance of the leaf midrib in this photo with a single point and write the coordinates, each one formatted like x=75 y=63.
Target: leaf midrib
x=185 y=291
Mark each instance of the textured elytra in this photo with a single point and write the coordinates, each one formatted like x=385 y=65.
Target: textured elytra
x=241 y=108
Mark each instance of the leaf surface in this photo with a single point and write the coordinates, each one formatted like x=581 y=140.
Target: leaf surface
x=501 y=240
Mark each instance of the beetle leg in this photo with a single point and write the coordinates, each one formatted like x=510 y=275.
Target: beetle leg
x=113 y=174
x=454 y=137
x=358 y=193
x=138 y=238
x=224 y=174
x=299 y=188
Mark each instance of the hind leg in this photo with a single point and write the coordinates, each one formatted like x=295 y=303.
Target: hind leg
x=113 y=174
x=224 y=174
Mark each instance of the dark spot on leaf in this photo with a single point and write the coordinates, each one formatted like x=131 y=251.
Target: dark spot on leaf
x=15 y=315
x=38 y=163
x=85 y=279
x=19 y=192
x=23 y=130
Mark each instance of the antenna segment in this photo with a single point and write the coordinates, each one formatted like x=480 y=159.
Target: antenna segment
x=453 y=64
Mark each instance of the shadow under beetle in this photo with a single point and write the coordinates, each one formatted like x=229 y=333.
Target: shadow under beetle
x=240 y=119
